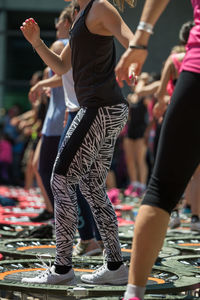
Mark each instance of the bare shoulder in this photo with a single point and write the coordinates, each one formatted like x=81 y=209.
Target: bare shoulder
x=57 y=47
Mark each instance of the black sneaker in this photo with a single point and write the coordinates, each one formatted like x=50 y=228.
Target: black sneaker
x=43 y=216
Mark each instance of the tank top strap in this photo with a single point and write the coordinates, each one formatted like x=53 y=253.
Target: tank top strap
x=87 y=9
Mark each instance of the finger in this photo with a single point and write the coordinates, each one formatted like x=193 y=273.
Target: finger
x=120 y=82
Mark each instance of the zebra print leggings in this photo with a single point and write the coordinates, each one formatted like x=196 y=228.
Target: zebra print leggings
x=85 y=158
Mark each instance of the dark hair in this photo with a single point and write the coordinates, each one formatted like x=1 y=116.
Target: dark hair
x=185 y=31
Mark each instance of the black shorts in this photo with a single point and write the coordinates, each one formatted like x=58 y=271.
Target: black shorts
x=136 y=132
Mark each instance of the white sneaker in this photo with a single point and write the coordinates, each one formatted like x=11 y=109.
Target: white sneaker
x=50 y=277
x=195 y=226
x=174 y=221
x=104 y=276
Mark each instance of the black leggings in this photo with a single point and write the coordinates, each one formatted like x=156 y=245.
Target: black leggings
x=178 y=152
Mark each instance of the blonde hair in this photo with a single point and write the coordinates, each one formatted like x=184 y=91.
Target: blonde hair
x=178 y=49
x=120 y=3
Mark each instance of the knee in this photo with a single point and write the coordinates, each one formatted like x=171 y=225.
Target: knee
x=163 y=195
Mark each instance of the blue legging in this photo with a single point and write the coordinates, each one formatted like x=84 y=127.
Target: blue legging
x=178 y=153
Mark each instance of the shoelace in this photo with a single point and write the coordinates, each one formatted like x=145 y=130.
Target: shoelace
x=44 y=265
x=99 y=270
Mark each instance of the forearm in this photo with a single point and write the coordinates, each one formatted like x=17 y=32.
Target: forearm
x=151 y=12
x=148 y=89
x=52 y=82
x=51 y=59
x=165 y=77
x=28 y=114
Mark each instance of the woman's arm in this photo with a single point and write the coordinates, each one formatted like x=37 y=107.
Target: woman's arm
x=165 y=77
x=148 y=89
x=60 y=64
x=151 y=12
x=38 y=88
x=111 y=22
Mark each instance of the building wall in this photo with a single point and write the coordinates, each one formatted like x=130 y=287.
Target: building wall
x=18 y=61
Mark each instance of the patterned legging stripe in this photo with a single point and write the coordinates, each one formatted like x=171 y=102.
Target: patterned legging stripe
x=84 y=158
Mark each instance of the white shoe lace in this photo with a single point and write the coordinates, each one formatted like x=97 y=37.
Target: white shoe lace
x=44 y=265
x=100 y=270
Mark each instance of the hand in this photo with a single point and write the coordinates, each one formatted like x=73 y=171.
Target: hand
x=15 y=121
x=144 y=76
x=65 y=118
x=31 y=32
x=159 y=109
x=133 y=58
x=47 y=91
x=35 y=92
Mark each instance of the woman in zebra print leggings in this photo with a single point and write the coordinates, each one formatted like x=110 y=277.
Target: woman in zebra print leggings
x=87 y=149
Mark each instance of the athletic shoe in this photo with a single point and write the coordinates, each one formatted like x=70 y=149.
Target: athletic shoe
x=174 y=220
x=104 y=276
x=83 y=249
x=43 y=216
x=137 y=193
x=195 y=226
x=129 y=190
x=135 y=298
x=113 y=195
x=50 y=277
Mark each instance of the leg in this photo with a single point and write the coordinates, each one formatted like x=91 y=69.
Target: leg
x=195 y=200
x=171 y=174
x=100 y=204
x=48 y=152
x=130 y=161
x=140 y=153
x=78 y=152
x=86 y=226
x=35 y=163
x=29 y=174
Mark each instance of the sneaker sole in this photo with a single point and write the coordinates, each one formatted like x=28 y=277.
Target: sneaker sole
x=71 y=282
x=93 y=252
x=117 y=282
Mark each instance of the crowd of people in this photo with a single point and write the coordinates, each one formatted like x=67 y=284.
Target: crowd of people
x=82 y=142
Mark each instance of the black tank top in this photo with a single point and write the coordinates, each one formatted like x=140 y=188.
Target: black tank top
x=93 y=63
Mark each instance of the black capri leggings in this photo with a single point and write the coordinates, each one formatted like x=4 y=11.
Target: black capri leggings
x=178 y=152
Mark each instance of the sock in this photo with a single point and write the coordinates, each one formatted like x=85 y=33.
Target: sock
x=134 y=291
x=194 y=219
x=62 y=269
x=114 y=265
x=136 y=184
x=142 y=186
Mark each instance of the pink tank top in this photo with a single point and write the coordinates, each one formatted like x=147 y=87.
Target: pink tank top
x=191 y=60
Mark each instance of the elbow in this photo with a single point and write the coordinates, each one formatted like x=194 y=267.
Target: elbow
x=61 y=71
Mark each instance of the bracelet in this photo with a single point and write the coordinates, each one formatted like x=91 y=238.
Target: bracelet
x=145 y=27
x=141 y=47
